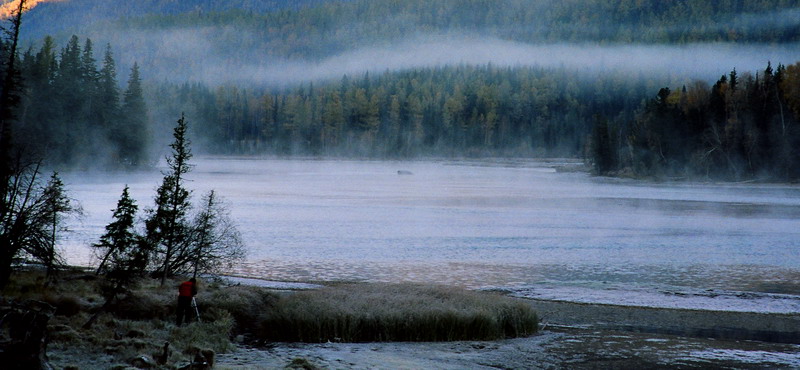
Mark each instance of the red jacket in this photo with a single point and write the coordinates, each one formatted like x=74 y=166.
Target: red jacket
x=187 y=289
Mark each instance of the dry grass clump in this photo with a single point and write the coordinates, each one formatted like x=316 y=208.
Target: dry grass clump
x=399 y=312
x=246 y=304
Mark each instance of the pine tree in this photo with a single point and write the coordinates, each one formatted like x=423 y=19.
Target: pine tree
x=168 y=226
x=120 y=242
x=55 y=205
x=108 y=98
x=132 y=134
x=602 y=150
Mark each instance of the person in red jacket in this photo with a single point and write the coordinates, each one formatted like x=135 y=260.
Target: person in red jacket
x=186 y=291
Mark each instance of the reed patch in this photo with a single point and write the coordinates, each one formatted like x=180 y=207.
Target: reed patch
x=395 y=312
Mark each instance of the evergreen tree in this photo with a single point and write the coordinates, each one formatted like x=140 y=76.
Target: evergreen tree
x=55 y=206
x=168 y=225
x=119 y=244
x=108 y=116
x=132 y=133
x=602 y=148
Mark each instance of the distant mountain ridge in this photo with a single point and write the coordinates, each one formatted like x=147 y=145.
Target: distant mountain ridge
x=50 y=17
x=651 y=21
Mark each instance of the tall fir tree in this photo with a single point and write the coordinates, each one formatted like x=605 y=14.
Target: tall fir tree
x=119 y=244
x=168 y=225
x=56 y=205
x=132 y=132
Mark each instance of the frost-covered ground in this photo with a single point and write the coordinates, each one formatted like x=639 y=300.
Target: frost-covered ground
x=686 y=298
x=551 y=349
x=269 y=284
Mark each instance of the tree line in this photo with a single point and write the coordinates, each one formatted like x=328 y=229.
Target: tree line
x=443 y=111
x=742 y=127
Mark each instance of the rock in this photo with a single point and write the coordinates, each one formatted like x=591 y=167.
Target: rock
x=203 y=359
x=142 y=362
x=300 y=363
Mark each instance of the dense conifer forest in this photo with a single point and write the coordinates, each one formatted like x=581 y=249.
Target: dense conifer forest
x=447 y=111
x=73 y=111
x=743 y=127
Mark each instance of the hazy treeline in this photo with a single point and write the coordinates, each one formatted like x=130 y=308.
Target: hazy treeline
x=73 y=112
x=334 y=26
x=450 y=111
x=743 y=127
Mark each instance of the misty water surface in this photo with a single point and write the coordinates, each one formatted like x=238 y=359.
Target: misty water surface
x=510 y=224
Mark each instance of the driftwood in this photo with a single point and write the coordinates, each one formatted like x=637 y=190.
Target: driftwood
x=23 y=335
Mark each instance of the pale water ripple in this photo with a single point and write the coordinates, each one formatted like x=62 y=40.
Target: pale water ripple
x=510 y=224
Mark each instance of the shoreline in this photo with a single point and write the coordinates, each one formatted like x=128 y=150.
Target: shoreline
x=572 y=334
x=775 y=327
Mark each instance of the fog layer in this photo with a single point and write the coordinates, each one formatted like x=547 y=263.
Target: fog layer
x=184 y=55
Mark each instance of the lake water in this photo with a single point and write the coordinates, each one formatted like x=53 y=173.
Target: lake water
x=514 y=225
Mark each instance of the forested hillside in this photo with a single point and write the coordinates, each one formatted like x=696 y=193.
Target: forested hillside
x=207 y=40
x=335 y=26
x=319 y=27
x=389 y=78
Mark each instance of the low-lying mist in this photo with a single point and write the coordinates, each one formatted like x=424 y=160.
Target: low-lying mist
x=185 y=55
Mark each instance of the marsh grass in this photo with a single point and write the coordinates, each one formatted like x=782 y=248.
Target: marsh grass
x=395 y=312
x=143 y=321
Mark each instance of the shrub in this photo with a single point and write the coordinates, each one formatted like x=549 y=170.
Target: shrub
x=64 y=305
x=400 y=312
